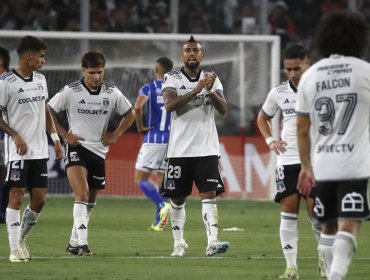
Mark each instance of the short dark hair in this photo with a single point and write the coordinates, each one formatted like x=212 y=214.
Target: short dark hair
x=93 y=59
x=165 y=63
x=30 y=43
x=342 y=32
x=295 y=51
x=5 y=58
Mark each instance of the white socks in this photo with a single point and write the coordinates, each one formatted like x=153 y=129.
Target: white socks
x=13 y=224
x=210 y=218
x=80 y=223
x=326 y=250
x=178 y=217
x=289 y=237
x=343 y=248
x=29 y=219
x=74 y=236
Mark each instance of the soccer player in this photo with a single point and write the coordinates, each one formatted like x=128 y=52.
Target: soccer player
x=333 y=108
x=4 y=193
x=192 y=95
x=26 y=119
x=152 y=154
x=89 y=103
x=283 y=97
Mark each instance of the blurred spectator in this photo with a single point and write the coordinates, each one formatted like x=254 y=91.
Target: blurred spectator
x=281 y=23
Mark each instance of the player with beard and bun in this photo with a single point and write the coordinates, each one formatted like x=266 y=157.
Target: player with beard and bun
x=155 y=128
x=192 y=95
x=26 y=119
x=89 y=103
x=283 y=97
x=333 y=108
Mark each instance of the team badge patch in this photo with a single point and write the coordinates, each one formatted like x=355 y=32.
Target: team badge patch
x=170 y=185
x=15 y=175
x=280 y=187
x=106 y=102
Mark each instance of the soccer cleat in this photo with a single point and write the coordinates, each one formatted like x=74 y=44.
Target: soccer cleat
x=217 y=247
x=17 y=256
x=84 y=250
x=290 y=273
x=179 y=249
x=163 y=214
x=155 y=227
x=322 y=270
x=25 y=250
x=72 y=250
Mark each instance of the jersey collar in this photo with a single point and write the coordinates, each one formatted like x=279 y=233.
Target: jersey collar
x=30 y=79
x=92 y=92
x=292 y=87
x=191 y=79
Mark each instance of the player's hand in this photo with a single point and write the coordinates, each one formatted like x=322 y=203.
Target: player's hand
x=144 y=129
x=212 y=77
x=109 y=138
x=306 y=181
x=72 y=139
x=58 y=150
x=207 y=82
x=20 y=145
x=278 y=146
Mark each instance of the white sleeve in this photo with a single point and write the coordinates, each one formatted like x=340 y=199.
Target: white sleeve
x=169 y=83
x=302 y=105
x=270 y=106
x=122 y=104
x=60 y=101
x=4 y=94
x=217 y=85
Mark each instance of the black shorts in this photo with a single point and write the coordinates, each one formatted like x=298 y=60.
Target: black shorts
x=182 y=172
x=32 y=173
x=286 y=181
x=95 y=165
x=342 y=200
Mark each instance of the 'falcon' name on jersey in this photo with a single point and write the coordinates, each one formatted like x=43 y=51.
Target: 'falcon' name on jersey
x=334 y=93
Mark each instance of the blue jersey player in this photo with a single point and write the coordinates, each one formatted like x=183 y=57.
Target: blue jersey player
x=155 y=128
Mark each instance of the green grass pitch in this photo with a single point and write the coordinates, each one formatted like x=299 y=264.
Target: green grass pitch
x=124 y=249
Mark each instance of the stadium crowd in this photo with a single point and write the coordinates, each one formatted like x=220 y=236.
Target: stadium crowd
x=293 y=20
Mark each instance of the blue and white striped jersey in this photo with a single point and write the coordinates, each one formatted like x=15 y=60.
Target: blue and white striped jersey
x=156 y=114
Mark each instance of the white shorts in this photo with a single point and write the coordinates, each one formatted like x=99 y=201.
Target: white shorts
x=152 y=157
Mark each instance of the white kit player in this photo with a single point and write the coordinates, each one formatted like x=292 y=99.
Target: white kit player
x=283 y=97
x=192 y=95
x=333 y=107
x=26 y=119
x=89 y=104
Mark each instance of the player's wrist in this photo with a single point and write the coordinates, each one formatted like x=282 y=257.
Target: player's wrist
x=54 y=136
x=269 y=140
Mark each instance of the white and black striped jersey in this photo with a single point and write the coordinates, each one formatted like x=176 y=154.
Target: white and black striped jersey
x=193 y=131
x=283 y=97
x=22 y=102
x=335 y=94
x=89 y=111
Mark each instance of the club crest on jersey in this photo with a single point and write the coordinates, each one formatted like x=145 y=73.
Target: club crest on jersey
x=170 y=185
x=40 y=87
x=15 y=175
x=280 y=187
x=106 y=102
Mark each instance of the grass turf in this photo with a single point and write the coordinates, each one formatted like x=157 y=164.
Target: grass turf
x=124 y=249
